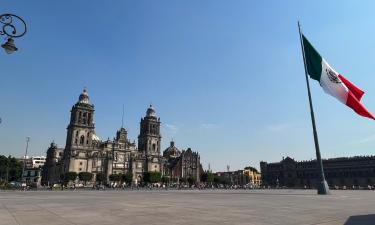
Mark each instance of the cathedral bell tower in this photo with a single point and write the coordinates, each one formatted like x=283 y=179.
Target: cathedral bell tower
x=79 y=131
x=149 y=140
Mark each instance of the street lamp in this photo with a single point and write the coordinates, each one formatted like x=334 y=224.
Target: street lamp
x=8 y=21
x=24 y=160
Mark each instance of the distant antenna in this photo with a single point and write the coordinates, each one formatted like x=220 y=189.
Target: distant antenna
x=209 y=167
x=228 y=167
x=122 y=119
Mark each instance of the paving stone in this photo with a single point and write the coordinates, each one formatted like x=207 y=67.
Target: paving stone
x=257 y=207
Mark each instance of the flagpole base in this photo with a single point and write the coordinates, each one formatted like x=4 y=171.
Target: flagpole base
x=323 y=188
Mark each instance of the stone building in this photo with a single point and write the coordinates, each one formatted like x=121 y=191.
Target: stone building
x=358 y=171
x=254 y=177
x=85 y=152
x=32 y=176
x=248 y=176
x=181 y=164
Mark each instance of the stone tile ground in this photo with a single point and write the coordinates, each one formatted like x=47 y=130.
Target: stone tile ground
x=282 y=207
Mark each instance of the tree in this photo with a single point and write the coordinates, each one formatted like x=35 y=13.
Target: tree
x=69 y=176
x=100 y=177
x=85 y=176
x=114 y=177
x=207 y=177
x=210 y=177
x=217 y=179
x=204 y=177
x=4 y=168
x=151 y=177
x=14 y=169
x=165 y=180
x=183 y=180
x=191 y=180
x=10 y=168
x=225 y=180
x=127 y=177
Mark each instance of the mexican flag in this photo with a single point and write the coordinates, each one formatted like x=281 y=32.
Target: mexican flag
x=332 y=82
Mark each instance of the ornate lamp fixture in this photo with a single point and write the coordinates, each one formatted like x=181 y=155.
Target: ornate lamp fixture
x=8 y=22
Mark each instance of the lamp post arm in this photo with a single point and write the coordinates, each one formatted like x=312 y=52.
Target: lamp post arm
x=8 y=28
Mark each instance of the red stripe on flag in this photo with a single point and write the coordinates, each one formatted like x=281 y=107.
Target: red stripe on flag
x=353 y=103
x=358 y=93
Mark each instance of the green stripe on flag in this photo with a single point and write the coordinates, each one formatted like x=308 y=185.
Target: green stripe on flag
x=313 y=60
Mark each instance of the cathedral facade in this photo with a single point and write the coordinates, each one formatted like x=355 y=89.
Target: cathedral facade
x=85 y=152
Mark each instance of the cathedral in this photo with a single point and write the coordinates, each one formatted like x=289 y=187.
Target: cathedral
x=85 y=152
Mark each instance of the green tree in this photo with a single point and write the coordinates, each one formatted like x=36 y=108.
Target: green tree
x=204 y=177
x=191 y=180
x=165 y=180
x=225 y=180
x=69 y=176
x=155 y=177
x=4 y=168
x=10 y=168
x=207 y=177
x=85 y=176
x=183 y=180
x=217 y=179
x=151 y=177
x=101 y=177
x=114 y=177
x=127 y=178
x=210 y=177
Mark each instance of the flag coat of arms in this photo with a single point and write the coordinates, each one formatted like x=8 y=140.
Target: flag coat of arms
x=332 y=82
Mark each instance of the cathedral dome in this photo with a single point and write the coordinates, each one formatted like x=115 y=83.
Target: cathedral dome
x=84 y=97
x=172 y=151
x=95 y=137
x=151 y=112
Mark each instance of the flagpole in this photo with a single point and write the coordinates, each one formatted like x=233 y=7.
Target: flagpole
x=323 y=188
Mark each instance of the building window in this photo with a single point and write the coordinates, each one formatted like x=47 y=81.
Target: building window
x=80 y=163
x=89 y=119
x=80 y=169
x=82 y=140
x=84 y=118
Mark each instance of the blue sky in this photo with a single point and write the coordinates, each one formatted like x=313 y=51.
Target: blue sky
x=226 y=77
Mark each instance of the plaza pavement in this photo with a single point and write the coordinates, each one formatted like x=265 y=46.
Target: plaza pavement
x=196 y=207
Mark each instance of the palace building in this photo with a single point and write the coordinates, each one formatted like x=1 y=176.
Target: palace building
x=344 y=172
x=85 y=152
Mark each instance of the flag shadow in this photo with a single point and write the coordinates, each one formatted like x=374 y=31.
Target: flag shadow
x=361 y=220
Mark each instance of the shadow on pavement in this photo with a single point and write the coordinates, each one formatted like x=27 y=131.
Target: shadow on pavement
x=361 y=220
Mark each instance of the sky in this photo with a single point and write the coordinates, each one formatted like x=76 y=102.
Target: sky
x=226 y=77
